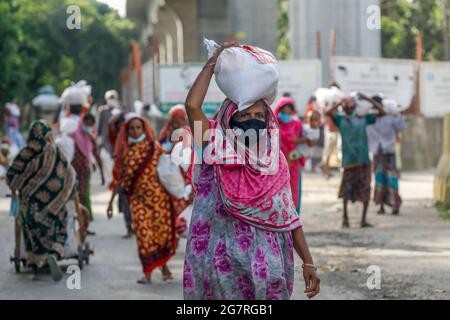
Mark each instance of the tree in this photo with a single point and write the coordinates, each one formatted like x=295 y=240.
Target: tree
x=283 y=48
x=404 y=20
x=38 y=48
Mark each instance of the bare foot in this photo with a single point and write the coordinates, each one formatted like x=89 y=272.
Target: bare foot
x=145 y=280
x=366 y=225
x=345 y=224
x=166 y=274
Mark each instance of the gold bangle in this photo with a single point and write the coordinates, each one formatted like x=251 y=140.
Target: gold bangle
x=309 y=265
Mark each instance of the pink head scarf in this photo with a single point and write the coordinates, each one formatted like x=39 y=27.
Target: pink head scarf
x=288 y=131
x=256 y=192
x=83 y=140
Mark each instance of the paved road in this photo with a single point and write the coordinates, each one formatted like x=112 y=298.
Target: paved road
x=412 y=252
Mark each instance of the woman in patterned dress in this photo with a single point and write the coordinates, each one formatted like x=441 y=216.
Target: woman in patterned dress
x=135 y=161
x=44 y=182
x=244 y=225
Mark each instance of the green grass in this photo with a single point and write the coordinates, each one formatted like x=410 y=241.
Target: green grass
x=443 y=209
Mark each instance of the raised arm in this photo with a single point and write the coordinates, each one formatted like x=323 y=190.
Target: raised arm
x=375 y=104
x=331 y=111
x=196 y=95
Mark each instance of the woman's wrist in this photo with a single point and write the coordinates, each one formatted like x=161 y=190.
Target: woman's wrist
x=209 y=65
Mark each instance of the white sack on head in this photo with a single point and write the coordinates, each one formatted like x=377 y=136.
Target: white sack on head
x=321 y=95
x=391 y=106
x=245 y=74
x=363 y=107
x=47 y=102
x=82 y=84
x=335 y=95
x=74 y=95
x=325 y=97
x=13 y=109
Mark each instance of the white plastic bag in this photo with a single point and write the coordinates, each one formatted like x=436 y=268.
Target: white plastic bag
x=391 y=106
x=245 y=74
x=182 y=156
x=363 y=107
x=186 y=215
x=327 y=96
x=170 y=176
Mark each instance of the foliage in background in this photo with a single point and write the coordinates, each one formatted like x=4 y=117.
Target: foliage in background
x=403 y=20
x=37 y=47
x=283 y=48
x=443 y=209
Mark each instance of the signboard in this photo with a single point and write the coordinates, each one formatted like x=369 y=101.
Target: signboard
x=435 y=88
x=299 y=78
x=176 y=80
x=395 y=79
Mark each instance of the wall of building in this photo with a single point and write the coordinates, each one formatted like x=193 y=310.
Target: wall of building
x=422 y=142
x=256 y=20
x=348 y=17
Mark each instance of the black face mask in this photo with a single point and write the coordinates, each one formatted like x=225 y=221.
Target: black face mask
x=248 y=125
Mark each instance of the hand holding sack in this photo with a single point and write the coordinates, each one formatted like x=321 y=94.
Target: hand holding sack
x=245 y=74
x=170 y=176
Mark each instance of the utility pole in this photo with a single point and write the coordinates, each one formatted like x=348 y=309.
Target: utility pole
x=446 y=29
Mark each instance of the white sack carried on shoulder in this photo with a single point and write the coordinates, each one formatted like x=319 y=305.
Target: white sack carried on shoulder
x=245 y=74
x=392 y=107
x=363 y=107
x=170 y=176
x=325 y=97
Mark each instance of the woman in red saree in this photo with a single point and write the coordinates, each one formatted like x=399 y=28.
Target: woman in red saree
x=136 y=158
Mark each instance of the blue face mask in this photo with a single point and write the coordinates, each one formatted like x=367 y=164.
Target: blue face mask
x=167 y=146
x=137 y=140
x=88 y=129
x=284 y=117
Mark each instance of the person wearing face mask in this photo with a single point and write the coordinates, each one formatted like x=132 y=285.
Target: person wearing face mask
x=85 y=150
x=355 y=185
x=105 y=113
x=136 y=157
x=244 y=224
x=291 y=129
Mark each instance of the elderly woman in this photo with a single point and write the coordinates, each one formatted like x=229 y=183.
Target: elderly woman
x=135 y=161
x=44 y=182
x=244 y=224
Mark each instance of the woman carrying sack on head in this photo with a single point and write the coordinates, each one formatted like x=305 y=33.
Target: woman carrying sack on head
x=136 y=157
x=244 y=224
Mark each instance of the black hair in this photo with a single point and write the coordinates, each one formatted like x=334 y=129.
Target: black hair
x=288 y=105
x=75 y=109
x=87 y=117
x=378 y=99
